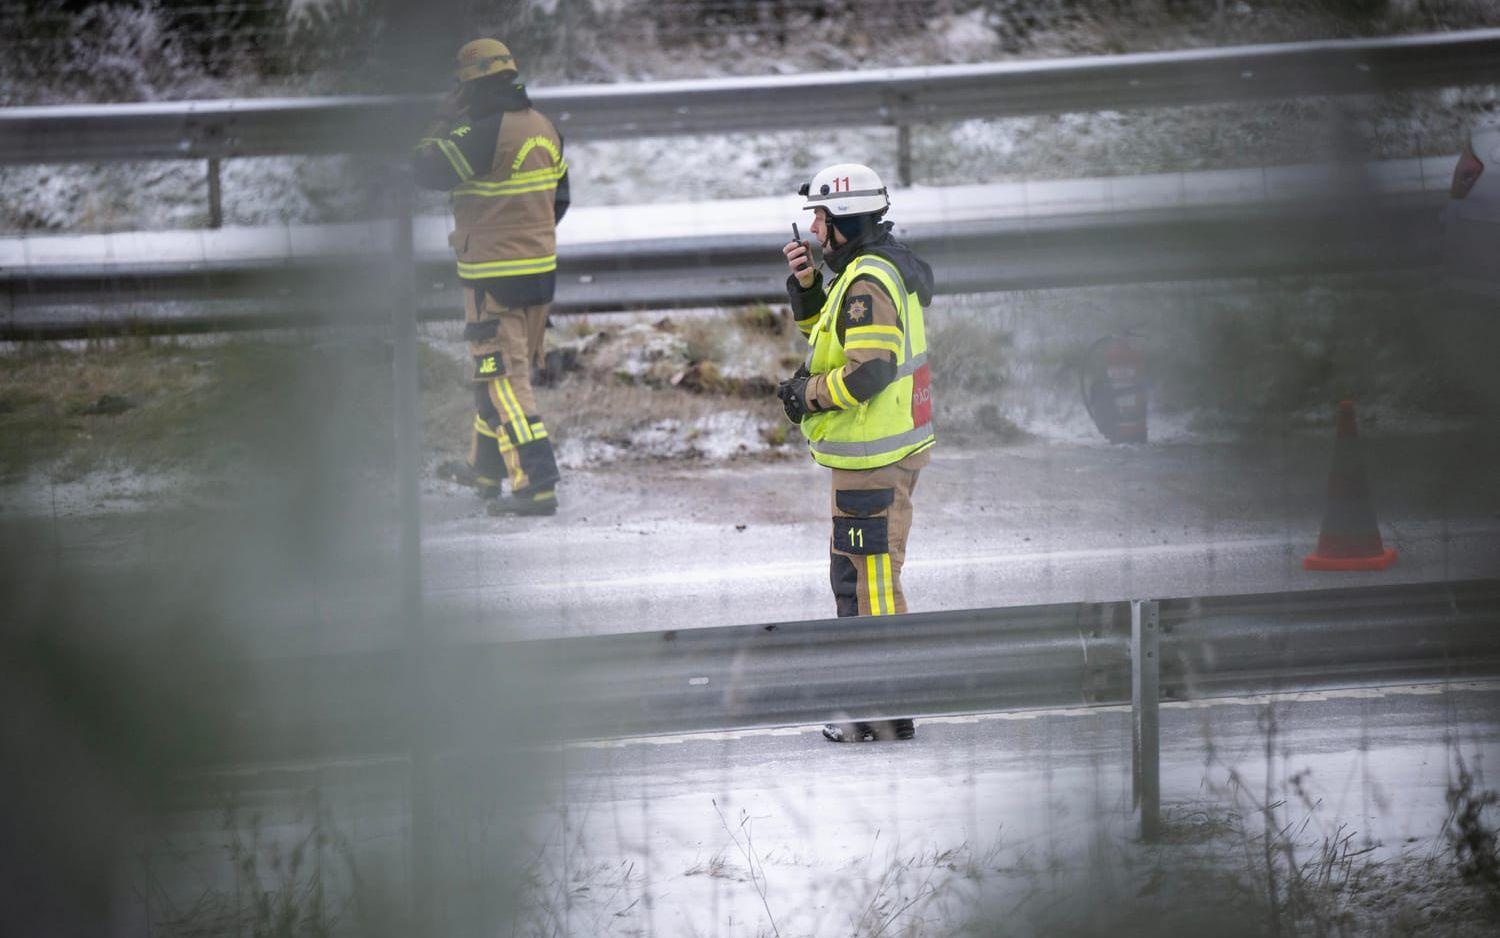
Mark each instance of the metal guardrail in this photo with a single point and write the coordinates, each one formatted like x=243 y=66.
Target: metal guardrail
x=891 y=97
x=1012 y=253
x=1131 y=246
x=921 y=664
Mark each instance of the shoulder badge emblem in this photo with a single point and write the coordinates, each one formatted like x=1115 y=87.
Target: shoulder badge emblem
x=856 y=308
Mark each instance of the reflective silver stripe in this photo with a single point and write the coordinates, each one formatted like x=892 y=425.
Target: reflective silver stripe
x=886 y=444
x=910 y=366
x=890 y=270
x=875 y=260
x=823 y=197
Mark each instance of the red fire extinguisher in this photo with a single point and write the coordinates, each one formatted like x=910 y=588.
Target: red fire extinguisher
x=1114 y=389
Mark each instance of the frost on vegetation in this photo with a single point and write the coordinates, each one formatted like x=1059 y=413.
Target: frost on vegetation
x=113 y=52
x=720 y=352
x=639 y=352
x=714 y=437
x=108 y=489
x=965 y=37
x=1192 y=139
x=675 y=385
x=279 y=190
x=723 y=166
x=156 y=50
x=104 y=52
x=174 y=194
x=1221 y=359
x=1216 y=869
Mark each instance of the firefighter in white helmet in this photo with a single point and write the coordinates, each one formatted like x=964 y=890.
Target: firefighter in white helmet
x=502 y=161
x=863 y=397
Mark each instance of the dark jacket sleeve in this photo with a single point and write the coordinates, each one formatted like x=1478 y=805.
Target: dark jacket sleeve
x=430 y=169
x=562 y=199
x=443 y=162
x=806 y=304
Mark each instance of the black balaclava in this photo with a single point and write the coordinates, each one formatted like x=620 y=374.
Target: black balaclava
x=503 y=91
x=854 y=227
x=874 y=237
x=858 y=231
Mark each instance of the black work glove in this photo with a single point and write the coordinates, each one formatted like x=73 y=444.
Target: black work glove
x=793 y=394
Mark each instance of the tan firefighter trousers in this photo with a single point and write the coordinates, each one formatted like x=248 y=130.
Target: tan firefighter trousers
x=509 y=437
x=871 y=518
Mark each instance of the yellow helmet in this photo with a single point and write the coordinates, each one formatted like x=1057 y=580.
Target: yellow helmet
x=484 y=57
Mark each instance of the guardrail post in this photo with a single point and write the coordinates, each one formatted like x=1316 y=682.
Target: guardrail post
x=903 y=153
x=215 y=196
x=1145 y=751
x=408 y=433
x=566 y=9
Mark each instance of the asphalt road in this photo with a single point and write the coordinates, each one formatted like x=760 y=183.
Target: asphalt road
x=675 y=546
x=663 y=545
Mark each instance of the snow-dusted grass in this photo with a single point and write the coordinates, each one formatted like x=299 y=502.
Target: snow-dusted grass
x=613 y=45
x=686 y=385
x=1246 y=856
x=1065 y=146
x=1223 y=358
x=699 y=169
x=231 y=408
x=1223 y=361
x=1265 y=845
x=174 y=194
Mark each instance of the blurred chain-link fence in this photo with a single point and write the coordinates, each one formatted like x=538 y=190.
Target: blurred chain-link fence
x=75 y=50
x=59 y=51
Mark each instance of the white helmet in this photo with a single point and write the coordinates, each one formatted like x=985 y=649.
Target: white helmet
x=846 y=189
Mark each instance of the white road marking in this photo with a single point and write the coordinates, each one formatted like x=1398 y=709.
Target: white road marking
x=708 y=575
x=1254 y=700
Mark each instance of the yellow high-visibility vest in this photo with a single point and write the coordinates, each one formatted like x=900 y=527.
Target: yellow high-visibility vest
x=897 y=421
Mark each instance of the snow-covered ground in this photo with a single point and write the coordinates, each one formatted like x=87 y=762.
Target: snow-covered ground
x=695 y=169
x=1010 y=823
x=766 y=216
x=620 y=42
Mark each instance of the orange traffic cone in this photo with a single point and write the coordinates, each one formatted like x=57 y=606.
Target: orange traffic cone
x=1350 y=539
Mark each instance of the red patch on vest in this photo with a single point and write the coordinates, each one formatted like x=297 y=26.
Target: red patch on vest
x=921 y=396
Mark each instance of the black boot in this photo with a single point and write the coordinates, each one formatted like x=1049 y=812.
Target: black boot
x=869 y=732
x=848 y=732
x=526 y=503
x=456 y=470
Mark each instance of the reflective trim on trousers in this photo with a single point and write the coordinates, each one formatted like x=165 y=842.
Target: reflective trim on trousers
x=880 y=585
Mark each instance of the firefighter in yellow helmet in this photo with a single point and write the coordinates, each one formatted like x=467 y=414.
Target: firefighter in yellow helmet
x=863 y=397
x=502 y=162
